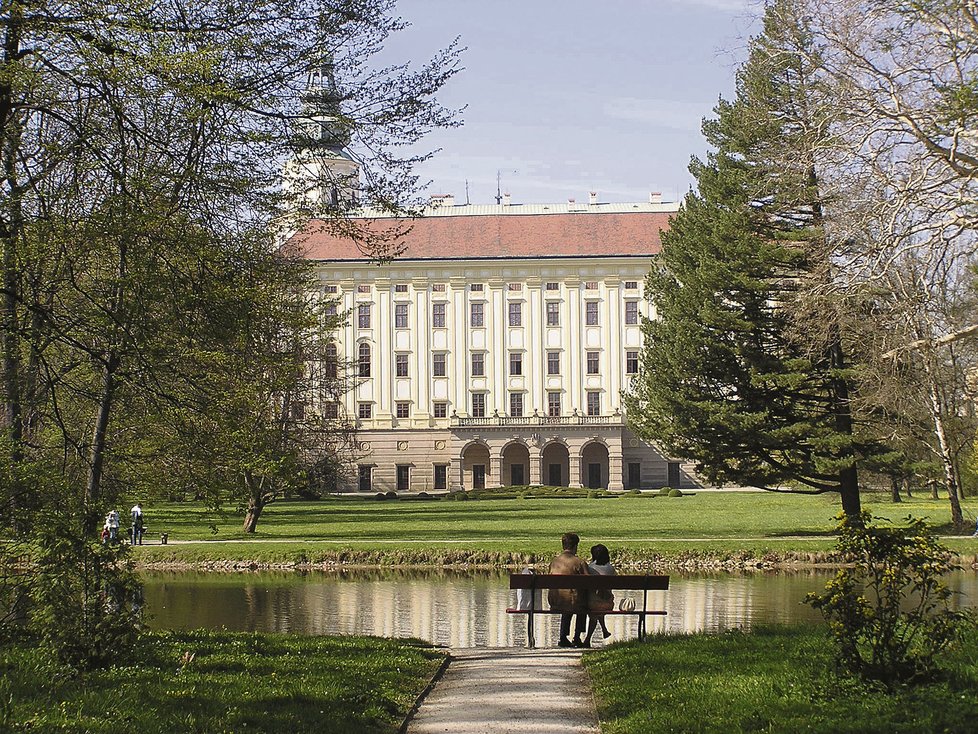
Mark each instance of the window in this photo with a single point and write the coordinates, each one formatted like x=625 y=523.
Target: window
x=476 y=287
x=400 y=315
x=400 y=365
x=365 y=410
x=331 y=289
x=403 y=410
x=438 y=288
x=478 y=364
x=363 y=360
x=514 y=287
x=516 y=314
x=331 y=410
x=329 y=366
x=441 y=476
x=297 y=410
x=553 y=363
x=400 y=287
x=403 y=477
x=330 y=310
x=365 y=483
x=591 y=313
x=631 y=285
x=590 y=285
x=593 y=363
x=553 y=286
x=438 y=365
x=516 y=404
x=363 y=315
x=593 y=402
x=438 y=315
x=363 y=289
x=631 y=363
x=631 y=312
x=477 y=314
x=441 y=410
x=553 y=404
x=478 y=405
x=553 y=313
x=516 y=363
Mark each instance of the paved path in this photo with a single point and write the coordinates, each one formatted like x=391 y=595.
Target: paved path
x=509 y=691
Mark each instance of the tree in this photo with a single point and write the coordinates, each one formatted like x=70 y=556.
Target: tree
x=142 y=154
x=738 y=373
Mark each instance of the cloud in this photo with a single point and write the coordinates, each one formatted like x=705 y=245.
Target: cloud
x=726 y=6
x=663 y=113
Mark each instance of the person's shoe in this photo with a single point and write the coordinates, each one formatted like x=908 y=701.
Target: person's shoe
x=564 y=642
x=582 y=643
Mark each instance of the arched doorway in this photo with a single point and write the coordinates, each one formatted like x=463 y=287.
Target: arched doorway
x=594 y=466
x=556 y=465
x=516 y=465
x=475 y=466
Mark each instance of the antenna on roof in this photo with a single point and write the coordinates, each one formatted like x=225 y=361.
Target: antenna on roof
x=499 y=194
x=466 y=192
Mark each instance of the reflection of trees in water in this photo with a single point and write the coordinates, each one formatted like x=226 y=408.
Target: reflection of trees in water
x=453 y=607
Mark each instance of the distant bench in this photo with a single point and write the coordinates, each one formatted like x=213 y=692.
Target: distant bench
x=538 y=581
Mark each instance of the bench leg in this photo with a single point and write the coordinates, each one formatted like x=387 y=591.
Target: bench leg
x=530 y=641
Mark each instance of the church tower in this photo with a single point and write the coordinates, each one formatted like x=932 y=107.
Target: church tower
x=322 y=176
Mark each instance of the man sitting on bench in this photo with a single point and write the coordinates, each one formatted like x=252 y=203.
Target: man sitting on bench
x=569 y=601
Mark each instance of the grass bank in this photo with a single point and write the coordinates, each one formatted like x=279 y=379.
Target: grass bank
x=770 y=680
x=708 y=528
x=222 y=682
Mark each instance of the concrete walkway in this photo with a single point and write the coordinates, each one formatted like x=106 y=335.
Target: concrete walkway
x=509 y=691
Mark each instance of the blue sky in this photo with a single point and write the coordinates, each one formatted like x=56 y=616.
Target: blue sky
x=567 y=96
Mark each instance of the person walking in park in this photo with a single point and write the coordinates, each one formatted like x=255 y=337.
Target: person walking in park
x=137 y=524
x=112 y=520
x=569 y=601
x=600 y=600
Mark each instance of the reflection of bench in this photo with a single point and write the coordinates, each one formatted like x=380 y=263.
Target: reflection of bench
x=535 y=581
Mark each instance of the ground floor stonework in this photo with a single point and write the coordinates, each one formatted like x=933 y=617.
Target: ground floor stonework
x=477 y=453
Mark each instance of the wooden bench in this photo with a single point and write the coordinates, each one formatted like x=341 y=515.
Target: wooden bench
x=538 y=581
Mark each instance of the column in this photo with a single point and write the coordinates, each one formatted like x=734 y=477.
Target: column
x=615 y=482
x=455 y=479
x=493 y=478
x=536 y=465
x=383 y=351
x=612 y=326
x=574 y=460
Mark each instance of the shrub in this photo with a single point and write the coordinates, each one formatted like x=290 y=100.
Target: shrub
x=663 y=491
x=675 y=493
x=458 y=495
x=888 y=609
x=390 y=494
x=380 y=496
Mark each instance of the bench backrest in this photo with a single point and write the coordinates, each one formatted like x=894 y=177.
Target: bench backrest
x=582 y=581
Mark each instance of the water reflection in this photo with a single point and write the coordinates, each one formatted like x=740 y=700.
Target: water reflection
x=463 y=609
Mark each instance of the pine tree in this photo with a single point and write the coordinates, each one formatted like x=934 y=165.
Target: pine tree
x=741 y=372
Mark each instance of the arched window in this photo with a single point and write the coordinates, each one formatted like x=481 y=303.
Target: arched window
x=363 y=360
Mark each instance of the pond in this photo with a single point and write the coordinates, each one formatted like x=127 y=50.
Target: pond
x=465 y=609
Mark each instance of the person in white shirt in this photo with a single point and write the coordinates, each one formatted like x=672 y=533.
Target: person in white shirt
x=601 y=600
x=137 y=524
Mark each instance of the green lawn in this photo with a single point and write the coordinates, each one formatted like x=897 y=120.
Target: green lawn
x=514 y=530
x=771 y=680
x=236 y=682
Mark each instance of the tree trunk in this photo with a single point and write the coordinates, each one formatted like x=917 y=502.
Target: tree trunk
x=93 y=489
x=10 y=234
x=256 y=502
x=849 y=493
x=944 y=449
x=906 y=487
x=254 y=511
x=895 y=489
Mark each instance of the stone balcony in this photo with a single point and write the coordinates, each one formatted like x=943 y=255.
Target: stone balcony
x=505 y=421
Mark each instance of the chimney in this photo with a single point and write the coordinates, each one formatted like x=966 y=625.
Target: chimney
x=507 y=199
x=438 y=200
x=655 y=197
x=592 y=198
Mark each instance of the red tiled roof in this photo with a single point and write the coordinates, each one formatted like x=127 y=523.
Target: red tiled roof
x=498 y=236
